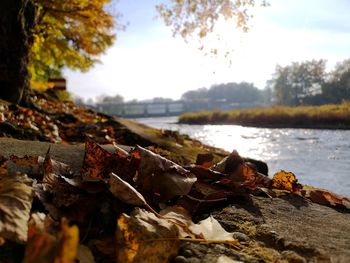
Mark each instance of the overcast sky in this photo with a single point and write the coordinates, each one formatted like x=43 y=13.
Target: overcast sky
x=146 y=61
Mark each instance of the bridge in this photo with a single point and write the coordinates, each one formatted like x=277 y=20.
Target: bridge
x=171 y=108
x=139 y=109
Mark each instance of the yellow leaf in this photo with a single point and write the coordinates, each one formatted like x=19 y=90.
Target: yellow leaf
x=143 y=237
x=285 y=181
x=69 y=241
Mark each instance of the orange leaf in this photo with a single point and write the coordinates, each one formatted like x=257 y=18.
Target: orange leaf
x=95 y=162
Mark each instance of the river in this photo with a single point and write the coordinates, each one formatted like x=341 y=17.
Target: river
x=320 y=158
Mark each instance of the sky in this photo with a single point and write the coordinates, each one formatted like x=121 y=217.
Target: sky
x=146 y=61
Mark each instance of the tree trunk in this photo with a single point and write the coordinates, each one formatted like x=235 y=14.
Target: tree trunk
x=17 y=18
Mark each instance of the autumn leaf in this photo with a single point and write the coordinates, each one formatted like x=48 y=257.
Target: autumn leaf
x=95 y=165
x=229 y=164
x=324 y=197
x=157 y=175
x=3 y=166
x=16 y=195
x=61 y=192
x=99 y=163
x=208 y=230
x=44 y=247
x=285 y=181
x=84 y=255
x=69 y=241
x=125 y=192
x=203 y=173
x=143 y=235
x=205 y=160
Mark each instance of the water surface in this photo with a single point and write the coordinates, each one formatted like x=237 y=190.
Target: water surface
x=317 y=157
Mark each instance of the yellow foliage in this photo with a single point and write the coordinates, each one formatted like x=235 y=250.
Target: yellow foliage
x=69 y=33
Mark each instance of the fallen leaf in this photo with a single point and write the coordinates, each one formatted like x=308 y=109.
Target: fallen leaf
x=143 y=236
x=162 y=177
x=69 y=240
x=16 y=195
x=210 y=229
x=204 y=173
x=96 y=162
x=285 y=181
x=3 y=166
x=99 y=163
x=205 y=160
x=125 y=192
x=229 y=164
x=61 y=192
x=84 y=255
x=324 y=197
x=44 y=247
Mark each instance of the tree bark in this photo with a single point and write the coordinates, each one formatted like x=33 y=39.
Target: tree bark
x=17 y=18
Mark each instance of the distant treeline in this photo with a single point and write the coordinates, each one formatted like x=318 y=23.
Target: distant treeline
x=230 y=93
x=300 y=83
x=308 y=83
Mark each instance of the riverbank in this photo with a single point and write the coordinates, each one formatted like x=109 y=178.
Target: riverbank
x=87 y=196
x=312 y=117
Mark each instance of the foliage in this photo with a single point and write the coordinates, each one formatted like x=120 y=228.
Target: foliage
x=110 y=99
x=70 y=33
x=308 y=83
x=188 y=18
x=337 y=87
x=298 y=81
x=229 y=92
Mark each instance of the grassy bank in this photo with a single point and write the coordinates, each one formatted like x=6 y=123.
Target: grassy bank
x=322 y=117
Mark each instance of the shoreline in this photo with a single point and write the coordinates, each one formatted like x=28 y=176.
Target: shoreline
x=330 y=117
x=275 y=126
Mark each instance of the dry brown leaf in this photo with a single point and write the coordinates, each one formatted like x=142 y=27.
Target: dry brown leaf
x=62 y=193
x=125 y=192
x=229 y=164
x=16 y=196
x=210 y=229
x=96 y=161
x=324 y=197
x=206 y=231
x=99 y=163
x=161 y=177
x=143 y=236
x=84 y=255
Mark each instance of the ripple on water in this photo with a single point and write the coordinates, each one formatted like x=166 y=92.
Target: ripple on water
x=318 y=157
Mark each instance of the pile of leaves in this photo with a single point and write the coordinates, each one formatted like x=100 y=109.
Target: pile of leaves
x=60 y=122
x=125 y=206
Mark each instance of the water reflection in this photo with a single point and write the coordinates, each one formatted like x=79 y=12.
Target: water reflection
x=318 y=157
